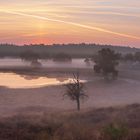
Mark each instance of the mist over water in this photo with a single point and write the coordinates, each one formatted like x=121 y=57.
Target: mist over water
x=13 y=80
x=75 y=63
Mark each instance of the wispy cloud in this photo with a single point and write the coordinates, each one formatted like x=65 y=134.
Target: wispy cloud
x=75 y=24
x=101 y=21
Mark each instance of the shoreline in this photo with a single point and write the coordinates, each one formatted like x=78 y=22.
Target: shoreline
x=123 y=91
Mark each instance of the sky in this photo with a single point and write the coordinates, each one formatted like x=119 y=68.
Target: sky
x=115 y=22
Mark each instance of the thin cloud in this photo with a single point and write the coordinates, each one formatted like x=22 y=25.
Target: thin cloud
x=75 y=24
x=105 y=13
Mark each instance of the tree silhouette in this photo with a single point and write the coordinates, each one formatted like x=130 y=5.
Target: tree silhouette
x=62 y=57
x=31 y=57
x=75 y=90
x=137 y=56
x=105 y=62
x=129 y=57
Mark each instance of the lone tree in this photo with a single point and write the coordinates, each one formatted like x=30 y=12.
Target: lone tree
x=106 y=62
x=75 y=90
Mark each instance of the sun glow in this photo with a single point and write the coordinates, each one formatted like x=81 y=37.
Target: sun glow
x=75 y=21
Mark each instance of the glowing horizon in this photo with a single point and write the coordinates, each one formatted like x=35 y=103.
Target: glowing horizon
x=57 y=21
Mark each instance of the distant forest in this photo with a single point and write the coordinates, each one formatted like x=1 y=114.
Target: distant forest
x=73 y=50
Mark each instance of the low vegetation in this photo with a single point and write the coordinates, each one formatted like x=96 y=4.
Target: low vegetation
x=100 y=124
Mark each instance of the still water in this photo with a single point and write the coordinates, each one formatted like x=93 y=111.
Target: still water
x=12 y=80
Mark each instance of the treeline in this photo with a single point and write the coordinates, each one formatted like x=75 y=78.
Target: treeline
x=34 y=57
x=132 y=57
x=73 y=50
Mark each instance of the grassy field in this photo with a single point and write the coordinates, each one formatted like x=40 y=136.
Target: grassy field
x=42 y=114
x=119 y=123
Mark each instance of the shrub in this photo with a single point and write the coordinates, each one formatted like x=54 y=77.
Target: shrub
x=114 y=132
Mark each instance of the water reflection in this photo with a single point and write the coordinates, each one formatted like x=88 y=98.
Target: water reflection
x=12 y=80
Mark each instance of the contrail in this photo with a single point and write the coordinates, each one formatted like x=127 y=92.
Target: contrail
x=75 y=24
x=106 y=13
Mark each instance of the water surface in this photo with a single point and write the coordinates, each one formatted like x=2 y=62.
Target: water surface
x=12 y=80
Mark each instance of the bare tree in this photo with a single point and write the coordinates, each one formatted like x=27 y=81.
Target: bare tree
x=75 y=90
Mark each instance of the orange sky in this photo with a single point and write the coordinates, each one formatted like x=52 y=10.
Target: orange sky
x=58 y=21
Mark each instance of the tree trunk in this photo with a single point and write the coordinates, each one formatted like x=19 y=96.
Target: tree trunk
x=78 y=104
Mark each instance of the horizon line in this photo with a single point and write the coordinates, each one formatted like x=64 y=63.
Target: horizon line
x=43 y=44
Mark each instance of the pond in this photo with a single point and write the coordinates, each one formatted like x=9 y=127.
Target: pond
x=12 y=80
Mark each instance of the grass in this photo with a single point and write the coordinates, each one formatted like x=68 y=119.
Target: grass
x=120 y=123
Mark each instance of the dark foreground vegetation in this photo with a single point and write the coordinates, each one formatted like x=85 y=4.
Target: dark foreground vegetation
x=120 y=123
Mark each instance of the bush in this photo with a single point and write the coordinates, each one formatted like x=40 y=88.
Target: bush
x=114 y=132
